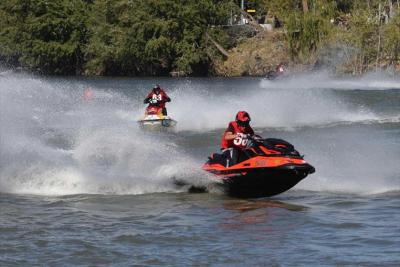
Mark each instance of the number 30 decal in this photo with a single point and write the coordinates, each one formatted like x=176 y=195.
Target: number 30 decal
x=241 y=140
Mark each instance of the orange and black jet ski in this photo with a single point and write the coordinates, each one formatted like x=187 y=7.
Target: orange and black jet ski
x=267 y=167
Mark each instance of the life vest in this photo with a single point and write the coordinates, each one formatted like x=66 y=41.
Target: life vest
x=161 y=98
x=240 y=141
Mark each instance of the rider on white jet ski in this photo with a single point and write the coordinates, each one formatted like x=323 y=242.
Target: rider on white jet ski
x=157 y=97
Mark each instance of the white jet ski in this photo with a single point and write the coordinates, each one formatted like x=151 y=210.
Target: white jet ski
x=155 y=120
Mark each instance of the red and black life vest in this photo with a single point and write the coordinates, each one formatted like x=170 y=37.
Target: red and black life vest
x=161 y=98
x=240 y=141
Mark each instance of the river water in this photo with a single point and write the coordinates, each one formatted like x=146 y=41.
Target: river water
x=81 y=184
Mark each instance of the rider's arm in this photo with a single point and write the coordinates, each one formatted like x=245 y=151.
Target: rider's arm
x=253 y=135
x=251 y=131
x=166 y=97
x=230 y=136
x=148 y=97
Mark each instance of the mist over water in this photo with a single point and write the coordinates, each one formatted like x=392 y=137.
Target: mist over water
x=324 y=80
x=55 y=142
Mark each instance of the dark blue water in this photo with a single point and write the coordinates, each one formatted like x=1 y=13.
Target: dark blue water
x=81 y=184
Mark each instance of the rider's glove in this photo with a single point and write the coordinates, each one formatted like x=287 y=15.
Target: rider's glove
x=257 y=137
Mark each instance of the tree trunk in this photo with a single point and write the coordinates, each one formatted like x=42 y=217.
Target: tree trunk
x=305 y=6
x=379 y=39
x=391 y=10
x=217 y=45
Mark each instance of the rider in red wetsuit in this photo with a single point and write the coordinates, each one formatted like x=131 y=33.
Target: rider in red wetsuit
x=157 y=97
x=235 y=137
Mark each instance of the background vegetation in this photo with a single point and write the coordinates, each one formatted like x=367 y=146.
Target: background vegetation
x=156 y=37
x=355 y=36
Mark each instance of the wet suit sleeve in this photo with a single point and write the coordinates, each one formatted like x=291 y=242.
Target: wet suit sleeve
x=146 y=100
x=230 y=128
x=251 y=132
x=166 y=97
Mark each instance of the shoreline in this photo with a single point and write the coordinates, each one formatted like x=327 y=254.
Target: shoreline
x=289 y=75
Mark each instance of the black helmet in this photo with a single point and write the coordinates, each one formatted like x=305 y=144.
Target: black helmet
x=157 y=88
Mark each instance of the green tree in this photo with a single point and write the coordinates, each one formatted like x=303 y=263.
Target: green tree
x=45 y=36
x=151 y=37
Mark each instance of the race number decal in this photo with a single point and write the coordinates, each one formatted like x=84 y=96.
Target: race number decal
x=241 y=140
x=157 y=97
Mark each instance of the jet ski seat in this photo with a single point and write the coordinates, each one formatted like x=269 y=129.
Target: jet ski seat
x=217 y=158
x=226 y=160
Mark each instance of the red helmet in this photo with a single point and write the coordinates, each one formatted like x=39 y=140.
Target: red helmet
x=243 y=118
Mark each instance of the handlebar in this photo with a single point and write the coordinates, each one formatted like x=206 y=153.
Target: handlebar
x=252 y=140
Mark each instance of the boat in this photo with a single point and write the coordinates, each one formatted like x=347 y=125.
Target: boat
x=155 y=120
x=267 y=167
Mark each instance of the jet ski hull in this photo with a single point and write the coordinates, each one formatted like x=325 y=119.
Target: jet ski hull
x=159 y=124
x=267 y=168
x=263 y=182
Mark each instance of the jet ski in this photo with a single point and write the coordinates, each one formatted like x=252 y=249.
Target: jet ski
x=154 y=119
x=267 y=167
x=278 y=73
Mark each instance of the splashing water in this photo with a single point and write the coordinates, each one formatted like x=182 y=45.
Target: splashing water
x=56 y=141
x=53 y=141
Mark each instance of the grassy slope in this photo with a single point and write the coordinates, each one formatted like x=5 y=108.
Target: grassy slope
x=256 y=56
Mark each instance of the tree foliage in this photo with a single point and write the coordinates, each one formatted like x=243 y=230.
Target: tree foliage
x=154 y=37
x=115 y=37
x=48 y=35
x=371 y=28
x=375 y=35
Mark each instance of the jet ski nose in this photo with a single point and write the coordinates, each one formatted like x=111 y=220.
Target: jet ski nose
x=311 y=169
